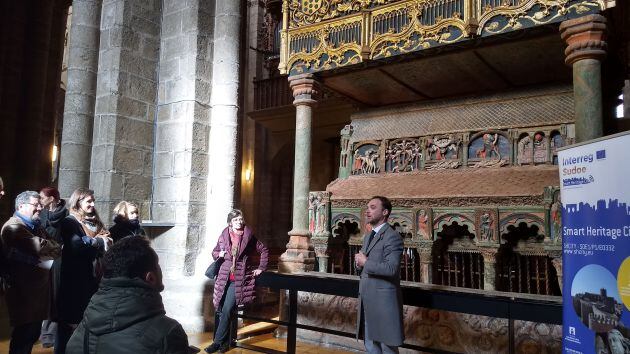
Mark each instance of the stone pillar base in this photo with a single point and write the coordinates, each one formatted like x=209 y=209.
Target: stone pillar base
x=299 y=256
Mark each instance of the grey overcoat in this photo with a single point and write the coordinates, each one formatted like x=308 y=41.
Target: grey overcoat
x=379 y=289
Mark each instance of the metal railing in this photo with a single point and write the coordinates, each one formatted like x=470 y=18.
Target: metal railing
x=510 y=306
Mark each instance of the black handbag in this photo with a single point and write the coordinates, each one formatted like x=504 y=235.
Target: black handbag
x=213 y=268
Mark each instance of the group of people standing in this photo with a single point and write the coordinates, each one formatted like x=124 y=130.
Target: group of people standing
x=51 y=253
x=98 y=289
x=82 y=288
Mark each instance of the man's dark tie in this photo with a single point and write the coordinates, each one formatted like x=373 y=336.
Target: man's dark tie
x=371 y=237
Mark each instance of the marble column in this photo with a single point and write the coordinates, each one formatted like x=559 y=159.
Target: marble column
x=585 y=37
x=300 y=255
x=78 y=115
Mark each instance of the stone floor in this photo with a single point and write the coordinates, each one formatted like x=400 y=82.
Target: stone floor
x=202 y=340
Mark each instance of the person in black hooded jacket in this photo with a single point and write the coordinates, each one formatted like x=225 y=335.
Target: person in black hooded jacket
x=126 y=315
x=54 y=211
x=126 y=221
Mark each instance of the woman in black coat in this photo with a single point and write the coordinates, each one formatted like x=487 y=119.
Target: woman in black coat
x=126 y=221
x=53 y=212
x=85 y=240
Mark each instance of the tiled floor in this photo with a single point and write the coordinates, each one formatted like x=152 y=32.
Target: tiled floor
x=203 y=340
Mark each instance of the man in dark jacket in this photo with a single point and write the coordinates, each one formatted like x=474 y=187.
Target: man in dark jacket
x=126 y=315
x=28 y=253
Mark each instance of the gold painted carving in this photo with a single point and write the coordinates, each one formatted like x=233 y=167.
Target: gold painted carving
x=304 y=60
x=386 y=44
x=308 y=12
x=548 y=12
x=317 y=19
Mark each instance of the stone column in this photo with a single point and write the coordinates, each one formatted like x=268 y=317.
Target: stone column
x=585 y=37
x=224 y=157
x=78 y=115
x=426 y=262
x=299 y=255
x=489 y=268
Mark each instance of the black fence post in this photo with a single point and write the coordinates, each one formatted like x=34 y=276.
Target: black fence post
x=292 y=329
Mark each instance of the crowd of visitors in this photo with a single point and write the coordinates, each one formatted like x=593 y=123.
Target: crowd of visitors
x=82 y=288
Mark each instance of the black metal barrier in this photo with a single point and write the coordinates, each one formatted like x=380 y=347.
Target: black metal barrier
x=510 y=306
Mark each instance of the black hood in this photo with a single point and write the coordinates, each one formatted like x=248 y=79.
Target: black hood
x=120 y=303
x=60 y=212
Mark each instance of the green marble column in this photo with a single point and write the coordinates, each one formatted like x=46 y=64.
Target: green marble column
x=587 y=88
x=300 y=255
x=585 y=37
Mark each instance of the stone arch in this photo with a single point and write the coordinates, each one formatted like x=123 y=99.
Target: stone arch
x=525 y=225
x=344 y=227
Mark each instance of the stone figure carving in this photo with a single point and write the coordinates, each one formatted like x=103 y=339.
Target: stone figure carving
x=540 y=148
x=490 y=147
x=525 y=150
x=423 y=225
x=442 y=148
x=486 y=223
x=489 y=153
x=357 y=162
x=366 y=162
x=403 y=156
x=443 y=152
x=556 y=220
x=346 y=152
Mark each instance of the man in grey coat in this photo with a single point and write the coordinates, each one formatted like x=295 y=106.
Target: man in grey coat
x=380 y=298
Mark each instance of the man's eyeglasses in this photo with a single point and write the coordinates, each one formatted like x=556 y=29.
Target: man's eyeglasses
x=36 y=205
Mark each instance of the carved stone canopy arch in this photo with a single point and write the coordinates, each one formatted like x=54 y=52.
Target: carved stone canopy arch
x=403 y=223
x=466 y=224
x=522 y=227
x=345 y=226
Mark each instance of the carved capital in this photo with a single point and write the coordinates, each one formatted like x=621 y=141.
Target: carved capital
x=306 y=89
x=585 y=37
x=489 y=254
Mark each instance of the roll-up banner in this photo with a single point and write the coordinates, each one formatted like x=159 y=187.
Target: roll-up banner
x=595 y=193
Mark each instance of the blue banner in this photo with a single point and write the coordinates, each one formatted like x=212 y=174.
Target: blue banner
x=595 y=192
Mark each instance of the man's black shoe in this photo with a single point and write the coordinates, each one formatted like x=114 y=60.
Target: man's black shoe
x=224 y=348
x=213 y=348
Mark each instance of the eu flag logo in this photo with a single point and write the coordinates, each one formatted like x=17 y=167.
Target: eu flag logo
x=601 y=154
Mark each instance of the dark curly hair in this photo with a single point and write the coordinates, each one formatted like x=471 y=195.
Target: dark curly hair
x=131 y=257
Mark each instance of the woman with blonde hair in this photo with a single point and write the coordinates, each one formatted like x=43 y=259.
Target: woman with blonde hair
x=85 y=240
x=126 y=221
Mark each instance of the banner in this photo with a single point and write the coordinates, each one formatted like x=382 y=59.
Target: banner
x=595 y=193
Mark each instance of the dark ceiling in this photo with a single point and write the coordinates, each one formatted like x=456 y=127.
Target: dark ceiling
x=482 y=68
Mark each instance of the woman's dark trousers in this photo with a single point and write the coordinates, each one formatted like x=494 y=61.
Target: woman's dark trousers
x=226 y=306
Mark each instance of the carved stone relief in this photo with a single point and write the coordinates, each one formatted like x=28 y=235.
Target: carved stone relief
x=424 y=224
x=488 y=149
x=447 y=331
x=487 y=225
x=403 y=155
x=366 y=159
x=442 y=152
